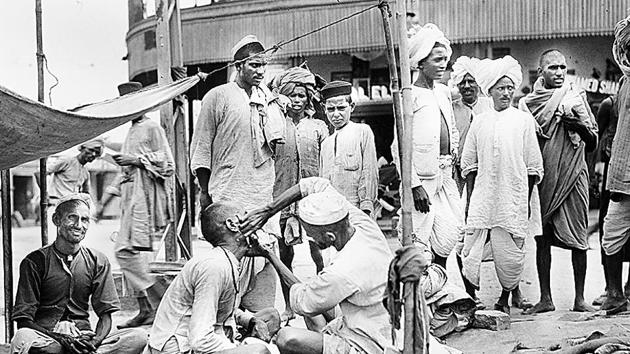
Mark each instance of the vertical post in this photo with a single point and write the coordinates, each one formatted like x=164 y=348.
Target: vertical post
x=162 y=34
x=7 y=253
x=43 y=186
x=192 y=187
x=405 y=144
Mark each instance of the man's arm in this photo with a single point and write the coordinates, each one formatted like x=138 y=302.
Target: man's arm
x=255 y=219
x=469 y=162
x=103 y=327
x=368 y=182
x=201 y=146
x=470 y=185
x=203 y=176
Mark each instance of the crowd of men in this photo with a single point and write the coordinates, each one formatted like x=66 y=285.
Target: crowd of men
x=485 y=177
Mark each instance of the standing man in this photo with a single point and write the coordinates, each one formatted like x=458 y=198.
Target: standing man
x=501 y=162
x=617 y=225
x=348 y=157
x=297 y=158
x=467 y=106
x=567 y=131
x=232 y=157
x=437 y=217
x=57 y=282
x=146 y=162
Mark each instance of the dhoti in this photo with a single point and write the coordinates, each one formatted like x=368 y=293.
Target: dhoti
x=439 y=229
x=616 y=226
x=496 y=243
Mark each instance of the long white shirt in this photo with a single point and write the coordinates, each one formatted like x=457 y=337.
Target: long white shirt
x=502 y=147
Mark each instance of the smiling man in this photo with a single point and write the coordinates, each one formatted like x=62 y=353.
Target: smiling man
x=57 y=282
x=231 y=156
x=501 y=162
x=568 y=131
x=348 y=156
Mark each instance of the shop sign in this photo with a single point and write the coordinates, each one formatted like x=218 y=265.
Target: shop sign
x=604 y=87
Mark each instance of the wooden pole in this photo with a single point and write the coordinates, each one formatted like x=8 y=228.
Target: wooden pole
x=43 y=186
x=7 y=254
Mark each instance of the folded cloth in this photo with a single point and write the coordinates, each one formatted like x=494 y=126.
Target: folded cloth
x=422 y=42
x=462 y=66
x=491 y=71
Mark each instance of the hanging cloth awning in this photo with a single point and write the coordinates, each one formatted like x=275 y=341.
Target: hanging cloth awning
x=30 y=130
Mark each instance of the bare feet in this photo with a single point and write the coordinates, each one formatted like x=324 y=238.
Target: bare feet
x=599 y=300
x=614 y=302
x=141 y=319
x=582 y=306
x=542 y=306
x=519 y=301
x=502 y=307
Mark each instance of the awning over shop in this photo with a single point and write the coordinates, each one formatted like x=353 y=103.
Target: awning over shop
x=30 y=130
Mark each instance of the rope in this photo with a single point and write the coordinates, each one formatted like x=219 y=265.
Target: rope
x=54 y=77
x=280 y=44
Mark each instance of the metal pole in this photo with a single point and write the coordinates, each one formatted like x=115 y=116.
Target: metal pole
x=7 y=254
x=43 y=186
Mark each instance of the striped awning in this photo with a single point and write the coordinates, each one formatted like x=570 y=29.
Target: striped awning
x=469 y=21
x=209 y=32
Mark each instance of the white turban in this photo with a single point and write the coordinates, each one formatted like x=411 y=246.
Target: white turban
x=421 y=43
x=491 y=71
x=324 y=208
x=462 y=66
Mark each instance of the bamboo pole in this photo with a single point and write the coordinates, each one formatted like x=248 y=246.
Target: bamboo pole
x=43 y=186
x=7 y=254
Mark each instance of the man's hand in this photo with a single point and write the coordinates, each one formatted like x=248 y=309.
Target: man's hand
x=260 y=330
x=256 y=249
x=126 y=160
x=254 y=220
x=421 y=199
x=204 y=200
x=73 y=345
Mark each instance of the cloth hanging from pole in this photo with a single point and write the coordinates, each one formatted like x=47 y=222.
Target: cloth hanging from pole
x=30 y=130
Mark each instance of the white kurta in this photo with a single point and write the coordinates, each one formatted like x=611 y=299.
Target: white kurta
x=502 y=147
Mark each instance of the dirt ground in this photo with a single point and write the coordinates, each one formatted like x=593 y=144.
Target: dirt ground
x=529 y=333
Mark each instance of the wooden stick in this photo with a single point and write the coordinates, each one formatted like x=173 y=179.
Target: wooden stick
x=7 y=254
x=43 y=186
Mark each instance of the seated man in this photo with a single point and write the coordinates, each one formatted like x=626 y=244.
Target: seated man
x=56 y=283
x=355 y=283
x=197 y=313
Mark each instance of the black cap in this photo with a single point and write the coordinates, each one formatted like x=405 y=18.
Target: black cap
x=129 y=87
x=336 y=88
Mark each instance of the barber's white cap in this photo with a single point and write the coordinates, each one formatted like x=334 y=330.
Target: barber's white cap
x=250 y=38
x=324 y=208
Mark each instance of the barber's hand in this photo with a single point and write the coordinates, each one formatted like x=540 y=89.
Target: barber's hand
x=205 y=200
x=254 y=220
x=255 y=249
x=126 y=160
x=421 y=199
x=260 y=330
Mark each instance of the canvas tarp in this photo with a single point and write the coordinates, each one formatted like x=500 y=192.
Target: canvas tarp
x=30 y=130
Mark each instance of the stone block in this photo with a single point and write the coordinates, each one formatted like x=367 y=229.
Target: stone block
x=491 y=319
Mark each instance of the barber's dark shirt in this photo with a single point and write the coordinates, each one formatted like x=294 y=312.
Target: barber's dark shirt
x=50 y=291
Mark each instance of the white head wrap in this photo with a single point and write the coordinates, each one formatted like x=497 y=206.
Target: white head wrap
x=621 y=45
x=324 y=208
x=462 y=66
x=491 y=71
x=421 y=43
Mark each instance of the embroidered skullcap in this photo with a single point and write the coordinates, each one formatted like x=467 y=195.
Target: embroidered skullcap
x=491 y=71
x=462 y=66
x=246 y=45
x=82 y=197
x=336 y=88
x=129 y=87
x=324 y=208
x=422 y=42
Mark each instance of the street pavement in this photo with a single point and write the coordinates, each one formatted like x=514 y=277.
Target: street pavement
x=100 y=236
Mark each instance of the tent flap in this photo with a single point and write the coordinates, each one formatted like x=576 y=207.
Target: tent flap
x=30 y=130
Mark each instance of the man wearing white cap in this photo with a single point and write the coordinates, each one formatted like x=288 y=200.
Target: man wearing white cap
x=437 y=216
x=57 y=285
x=468 y=105
x=231 y=156
x=355 y=280
x=501 y=162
